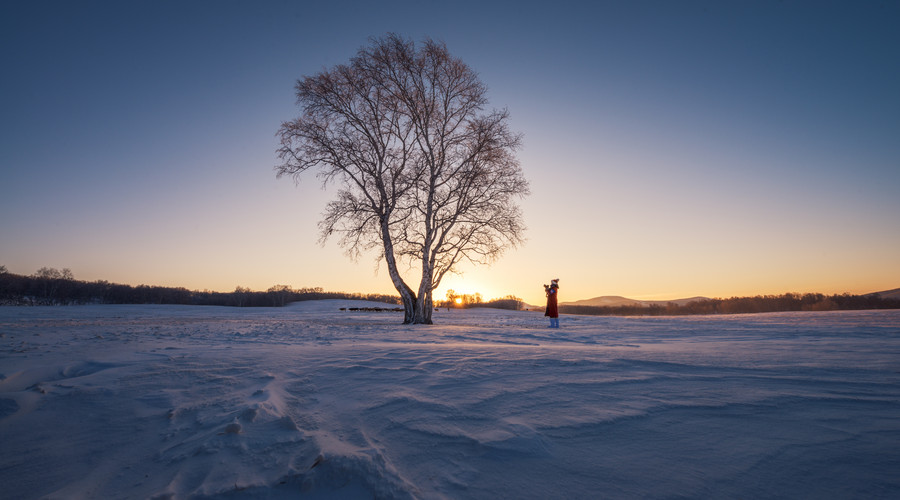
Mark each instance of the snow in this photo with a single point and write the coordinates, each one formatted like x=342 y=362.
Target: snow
x=207 y=402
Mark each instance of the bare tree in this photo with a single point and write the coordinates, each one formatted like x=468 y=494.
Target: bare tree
x=425 y=173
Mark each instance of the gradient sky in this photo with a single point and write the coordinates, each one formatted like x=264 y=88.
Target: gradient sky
x=674 y=148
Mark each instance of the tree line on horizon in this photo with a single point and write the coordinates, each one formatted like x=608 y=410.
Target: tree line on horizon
x=49 y=286
x=787 y=302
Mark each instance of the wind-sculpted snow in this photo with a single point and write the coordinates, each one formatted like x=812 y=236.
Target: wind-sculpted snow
x=310 y=401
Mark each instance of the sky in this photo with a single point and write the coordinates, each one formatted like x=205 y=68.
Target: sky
x=673 y=149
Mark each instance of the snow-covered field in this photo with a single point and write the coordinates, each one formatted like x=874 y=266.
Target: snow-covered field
x=308 y=401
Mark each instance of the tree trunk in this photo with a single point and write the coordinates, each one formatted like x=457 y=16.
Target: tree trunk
x=423 y=308
x=429 y=308
x=423 y=301
x=407 y=296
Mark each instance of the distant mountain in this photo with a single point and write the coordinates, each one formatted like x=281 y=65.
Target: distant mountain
x=616 y=301
x=605 y=301
x=890 y=294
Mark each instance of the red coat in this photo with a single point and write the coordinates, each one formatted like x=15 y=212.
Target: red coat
x=552 y=307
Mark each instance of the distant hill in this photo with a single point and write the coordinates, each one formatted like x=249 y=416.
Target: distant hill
x=889 y=294
x=616 y=301
x=623 y=306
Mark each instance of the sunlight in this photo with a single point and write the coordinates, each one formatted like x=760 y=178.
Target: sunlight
x=458 y=300
x=470 y=286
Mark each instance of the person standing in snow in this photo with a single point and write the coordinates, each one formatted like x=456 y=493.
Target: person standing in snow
x=552 y=303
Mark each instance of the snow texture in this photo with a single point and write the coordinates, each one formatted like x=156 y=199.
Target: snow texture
x=169 y=402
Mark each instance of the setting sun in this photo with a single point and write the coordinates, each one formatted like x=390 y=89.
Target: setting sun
x=459 y=300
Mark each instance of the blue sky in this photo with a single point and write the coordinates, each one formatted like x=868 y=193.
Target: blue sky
x=673 y=148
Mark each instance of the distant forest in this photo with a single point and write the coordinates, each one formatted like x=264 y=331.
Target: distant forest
x=746 y=305
x=50 y=286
